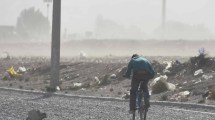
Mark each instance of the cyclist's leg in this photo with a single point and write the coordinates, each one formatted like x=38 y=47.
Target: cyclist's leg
x=144 y=87
x=133 y=92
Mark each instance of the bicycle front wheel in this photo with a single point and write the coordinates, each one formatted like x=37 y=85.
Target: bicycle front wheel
x=133 y=118
x=143 y=113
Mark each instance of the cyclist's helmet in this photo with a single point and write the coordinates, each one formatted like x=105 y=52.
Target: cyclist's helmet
x=134 y=55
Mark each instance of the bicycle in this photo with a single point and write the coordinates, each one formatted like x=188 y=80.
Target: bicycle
x=140 y=105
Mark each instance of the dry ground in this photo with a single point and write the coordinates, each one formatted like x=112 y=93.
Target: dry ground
x=93 y=69
x=90 y=71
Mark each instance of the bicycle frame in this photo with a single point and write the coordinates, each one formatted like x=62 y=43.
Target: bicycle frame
x=140 y=105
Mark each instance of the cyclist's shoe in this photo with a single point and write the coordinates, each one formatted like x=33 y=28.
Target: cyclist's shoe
x=131 y=111
x=147 y=103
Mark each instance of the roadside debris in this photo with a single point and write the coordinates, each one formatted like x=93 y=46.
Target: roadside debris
x=57 y=88
x=6 y=76
x=77 y=84
x=181 y=96
x=13 y=73
x=205 y=97
x=160 y=85
x=126 y=95
x=211 y=89
x=207 y=77
x=198 y=72
x=5 y=56
x=113 y=76
x=199 y=81
x=184 y=93
x=171 y=87
x=83 y=55
x=201 y=51
x=97 y=75
x=21 y=70
x=97 y=80
x=168 y=66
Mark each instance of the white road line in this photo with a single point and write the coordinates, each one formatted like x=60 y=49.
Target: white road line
x=177 y=109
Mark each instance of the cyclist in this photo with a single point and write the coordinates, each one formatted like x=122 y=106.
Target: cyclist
x=142 y=71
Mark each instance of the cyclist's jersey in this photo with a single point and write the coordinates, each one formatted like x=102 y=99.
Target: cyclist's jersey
x=139 y=64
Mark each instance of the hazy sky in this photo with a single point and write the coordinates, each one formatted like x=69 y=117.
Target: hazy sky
x=80 y=15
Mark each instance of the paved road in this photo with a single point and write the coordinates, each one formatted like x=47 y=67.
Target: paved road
x=15 y=106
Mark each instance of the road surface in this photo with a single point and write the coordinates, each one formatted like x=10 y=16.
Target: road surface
x=15 y=106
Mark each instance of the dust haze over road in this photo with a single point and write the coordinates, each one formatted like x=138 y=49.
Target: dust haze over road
x=102 y=48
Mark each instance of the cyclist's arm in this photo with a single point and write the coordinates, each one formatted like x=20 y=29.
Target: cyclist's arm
x=152 y=71
x=128 y=72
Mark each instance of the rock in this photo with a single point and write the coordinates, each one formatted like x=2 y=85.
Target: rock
x=5 y=56
x=185 y=82
x=184 y=93
x=166 y=71
x=36 y=115
x=97 y=80
x=171 y=86
x=113 y=76
x=198 y=81
x=122 y=71
x=83 y=55
x=162 y=77
x=159 y=85
x=169 y=64
x=83 y=89
x=126 y=96
x=207 y=77
x=77 y=75
x=58 y=88
x=181 y=96
x=198 y=72
x=77 y=84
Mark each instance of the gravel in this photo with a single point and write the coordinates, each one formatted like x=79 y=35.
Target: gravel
x=15 y=106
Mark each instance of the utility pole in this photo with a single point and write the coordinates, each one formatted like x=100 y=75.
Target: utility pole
x=47 y=4
x=55 y=46
x=164 y=18
x=164 y=13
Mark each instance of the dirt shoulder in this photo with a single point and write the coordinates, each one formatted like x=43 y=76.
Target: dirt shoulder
x=103 y=76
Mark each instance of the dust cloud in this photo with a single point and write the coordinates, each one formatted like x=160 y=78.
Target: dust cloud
x=109 y=28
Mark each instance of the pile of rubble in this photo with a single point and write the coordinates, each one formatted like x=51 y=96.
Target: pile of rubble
x=185 y=80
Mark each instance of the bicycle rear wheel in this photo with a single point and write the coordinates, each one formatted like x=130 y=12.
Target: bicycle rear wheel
x=133 y=117
x=145 y=113
x=141 y=112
